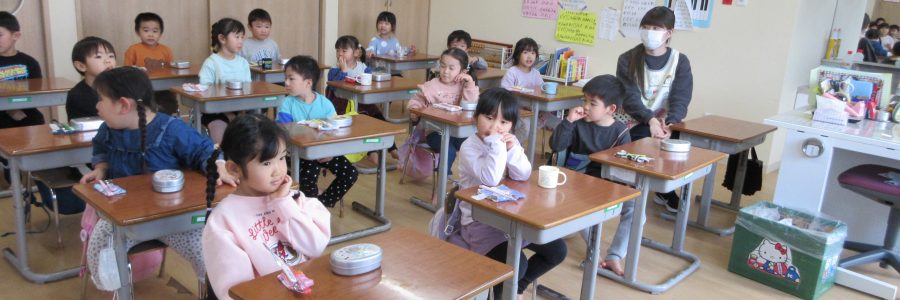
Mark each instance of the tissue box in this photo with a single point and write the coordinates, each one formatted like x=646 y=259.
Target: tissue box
x=798 y=259
x=87 y=123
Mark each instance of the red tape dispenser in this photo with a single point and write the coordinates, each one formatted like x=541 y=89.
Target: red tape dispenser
x=295 y=281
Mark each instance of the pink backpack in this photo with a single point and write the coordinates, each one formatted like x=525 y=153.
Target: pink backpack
x=416 y=162
x=143 y=265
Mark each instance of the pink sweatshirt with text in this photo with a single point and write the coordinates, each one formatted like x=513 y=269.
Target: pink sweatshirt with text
x=435 y=91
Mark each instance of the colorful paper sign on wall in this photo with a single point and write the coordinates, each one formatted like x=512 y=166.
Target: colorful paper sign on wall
x=576 y=27
x=540 y=9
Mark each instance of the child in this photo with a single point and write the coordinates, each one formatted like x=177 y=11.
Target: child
x=260 y=46
x=592 y=128
x=484 y=158
x=222 y=66
x=134 y=140
x=462 y=40
x=872 y=35
x=887 y=41
x=658 y=84
x=301 y=74
x=894 y=32
x=451 y=86
x=385 y=43
x=149 y=52
x=16 y=65
x=523 y=74
x=351 y=57
x=260 y=218
x=90 y=56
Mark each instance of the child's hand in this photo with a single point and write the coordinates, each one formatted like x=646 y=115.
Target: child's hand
x=325 y=160
x=576 y=114
x=509 y=139
x=463 y=78
x=283 y=190
x=370 y=54
x=95 y=175
x=342 y=64
x=225 y=177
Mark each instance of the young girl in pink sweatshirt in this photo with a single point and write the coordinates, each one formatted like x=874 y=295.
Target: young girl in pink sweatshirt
x=263 y=216
x=453 y=85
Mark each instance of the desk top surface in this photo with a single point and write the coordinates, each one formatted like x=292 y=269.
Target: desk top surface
x=563 y=92
x=393 y=85
x=881 y=134
x=363 y=127
x=544 y=208
x=169 y=72
x=219 y=92
x=665 y=164
x=39 y=139
x=278 y=68
x=35 y=86
x=722 y=128
x=141 y=204
x=413 y=265
x=408 y=58
x=456 y=118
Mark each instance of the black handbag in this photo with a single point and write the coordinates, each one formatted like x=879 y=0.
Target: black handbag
x=752 y=179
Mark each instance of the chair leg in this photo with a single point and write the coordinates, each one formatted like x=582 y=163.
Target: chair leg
x=29 y=184
x=56 y=217
x=341 y=209
x=201 y=287
x=84 y=281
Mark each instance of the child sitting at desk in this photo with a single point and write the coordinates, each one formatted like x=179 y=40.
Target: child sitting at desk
x=462 y=40
x=259 y=45
x=90 y=56
x=484 y=159
x=301 y=74
x=592 y=128
x=134 y=139
x=260 y=220
x=385 y=43
x=149 y=52
x=222 y=66
x=523 y=74
x=16 y=65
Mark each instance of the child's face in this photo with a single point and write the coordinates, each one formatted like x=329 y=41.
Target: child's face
x=295 y=84
x=487 y=125
x=384 y=27
x=149 y=33
x=264 y=177
x=596 y=110
x=883 y=31
x=450 y=68
x=233 y=42
x=527 y=58
x=112 y=112
x=460 y=44
x=95 y=64
x=8 y=39
x=348 y=54
x=893 y=32
x=260 y=29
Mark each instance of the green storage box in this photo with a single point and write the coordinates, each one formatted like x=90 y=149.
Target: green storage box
x=799 y=259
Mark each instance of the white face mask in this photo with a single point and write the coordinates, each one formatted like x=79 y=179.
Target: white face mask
x=653 y=39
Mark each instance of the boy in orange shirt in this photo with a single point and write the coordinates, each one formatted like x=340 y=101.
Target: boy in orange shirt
x=149 y=52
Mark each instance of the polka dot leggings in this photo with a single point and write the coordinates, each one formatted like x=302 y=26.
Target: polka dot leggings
x=187 y=244
x=345 y=176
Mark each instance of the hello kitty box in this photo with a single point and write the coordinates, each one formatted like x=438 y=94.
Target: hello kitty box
x=793 y=251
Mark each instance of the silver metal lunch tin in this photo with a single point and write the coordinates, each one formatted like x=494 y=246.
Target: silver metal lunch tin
x=675 y=145
x=168 y=181
x=181 y=64
x=356 y=259
x=341 y=121
x=467 y=105
x=380 y=76
x=234 y=85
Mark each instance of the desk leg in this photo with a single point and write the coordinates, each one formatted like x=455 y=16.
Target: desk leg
x=513 y=251
x=589 y=278
x=705 y=202
x=125 y=291
x=386 y=110
x=532 y=132
x=20 y=262
x=195 y=114
x=295 y=163
x=637 y=230
x=378 y=213
x=442 y=173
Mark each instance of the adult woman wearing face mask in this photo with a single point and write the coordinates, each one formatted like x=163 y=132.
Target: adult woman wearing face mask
x=658 y=84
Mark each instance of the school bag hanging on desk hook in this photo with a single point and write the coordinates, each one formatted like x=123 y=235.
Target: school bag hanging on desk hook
x=753 y=177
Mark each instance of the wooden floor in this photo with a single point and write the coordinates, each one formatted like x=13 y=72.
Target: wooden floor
x=711 y=281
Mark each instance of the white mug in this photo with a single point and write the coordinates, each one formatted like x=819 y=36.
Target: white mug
x=548 y=177
x=365 y=79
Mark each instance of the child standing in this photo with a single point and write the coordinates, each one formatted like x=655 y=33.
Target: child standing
x=260 y=220
x=523 y=74
x=301 y=74
x=90 y=56
x=222 y=66
x=149 y=52
x=385 y=43
x=658 y=85
x=134 y=140
x=452 y=86
x=259 y=45
x=16 y=65
x=462 y=40
x=484 y=159
x=592 y=128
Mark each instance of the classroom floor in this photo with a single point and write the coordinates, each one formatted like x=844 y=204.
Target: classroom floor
x=711 y=281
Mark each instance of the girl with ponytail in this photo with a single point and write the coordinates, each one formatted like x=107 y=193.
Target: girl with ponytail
x=136 y=139
x=262 y=217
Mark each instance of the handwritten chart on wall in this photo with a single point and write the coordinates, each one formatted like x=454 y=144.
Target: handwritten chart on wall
x=632 y=13
x=576 y=27
x=540 y=9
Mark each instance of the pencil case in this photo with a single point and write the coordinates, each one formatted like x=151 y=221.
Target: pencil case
x=108 y=188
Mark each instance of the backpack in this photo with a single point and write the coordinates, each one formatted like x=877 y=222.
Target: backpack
x=143 y=265
x=447 y=228
x=416 y=162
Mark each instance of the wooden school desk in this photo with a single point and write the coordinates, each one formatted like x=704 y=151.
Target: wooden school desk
x=545 y=215
x=566 y=97
x=730 y=136
x=142 y=214
x=35 y=148
x=218 y=99
x=414 y=265
x=380 y=92
x=165 y=78
x=666 y=172
x=406 y=63
x=460 y=124
x=276 y=73
x=366 y=134
x=489 y=78
x=34 y=93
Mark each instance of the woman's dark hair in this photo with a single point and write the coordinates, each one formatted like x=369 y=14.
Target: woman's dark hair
x=387 y=17
x=306 y=66
x=660 y=16
x=148 y=17
x=872 y=34
x=224 y=27
x=524 y=44
x=497 y=99
x=463 y=59
x=131 y=83
x=351 y=42
x=88 y=47
x=247 y=137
